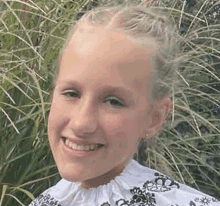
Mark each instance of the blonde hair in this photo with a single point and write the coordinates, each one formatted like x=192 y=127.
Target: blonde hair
x=141 y=23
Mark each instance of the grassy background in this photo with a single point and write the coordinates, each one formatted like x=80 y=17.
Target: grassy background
x=31 y=35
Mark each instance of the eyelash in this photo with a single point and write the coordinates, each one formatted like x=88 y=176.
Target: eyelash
x=119 y=103
x=69 y=94
x=72 y=94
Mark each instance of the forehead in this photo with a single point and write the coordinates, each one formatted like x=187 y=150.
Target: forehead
x=101 y=41
x=108 y=50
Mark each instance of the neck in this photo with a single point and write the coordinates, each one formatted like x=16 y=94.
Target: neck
x=103 y=179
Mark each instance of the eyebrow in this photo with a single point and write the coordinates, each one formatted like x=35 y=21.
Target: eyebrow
x=111 y=89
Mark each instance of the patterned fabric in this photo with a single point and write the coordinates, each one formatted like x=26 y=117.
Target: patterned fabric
x=136 y=186
x=45 y=200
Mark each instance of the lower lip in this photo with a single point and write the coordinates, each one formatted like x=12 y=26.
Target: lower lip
x=79 y=153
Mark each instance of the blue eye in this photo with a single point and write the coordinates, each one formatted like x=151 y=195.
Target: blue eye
x=114 y=102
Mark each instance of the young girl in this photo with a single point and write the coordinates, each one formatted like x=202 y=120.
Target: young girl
x=112 y=93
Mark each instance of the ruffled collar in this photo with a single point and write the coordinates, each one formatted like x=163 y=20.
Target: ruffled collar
x=135 y=186
x=71 y=194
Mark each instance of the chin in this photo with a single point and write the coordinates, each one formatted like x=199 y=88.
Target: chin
x=74 y=174
x=71 y=177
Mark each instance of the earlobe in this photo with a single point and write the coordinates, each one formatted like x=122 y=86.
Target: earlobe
x=159 y=114
x=168 y=105
x=157 y=120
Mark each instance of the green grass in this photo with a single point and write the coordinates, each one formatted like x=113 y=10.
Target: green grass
x=31 y=35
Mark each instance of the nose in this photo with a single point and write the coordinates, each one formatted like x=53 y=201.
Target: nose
x=83 y=119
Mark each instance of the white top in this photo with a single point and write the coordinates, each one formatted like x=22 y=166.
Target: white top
x=135 y=186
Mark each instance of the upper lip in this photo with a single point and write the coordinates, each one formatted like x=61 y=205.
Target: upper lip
x=80 y=142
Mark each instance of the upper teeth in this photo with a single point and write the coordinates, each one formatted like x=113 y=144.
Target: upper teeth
x=80 y=147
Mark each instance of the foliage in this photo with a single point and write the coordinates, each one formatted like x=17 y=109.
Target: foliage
x=31 y=35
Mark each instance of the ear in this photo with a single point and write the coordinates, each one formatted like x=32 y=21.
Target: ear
x=158 y=115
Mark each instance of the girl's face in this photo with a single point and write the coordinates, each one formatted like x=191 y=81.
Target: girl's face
x=100 y=106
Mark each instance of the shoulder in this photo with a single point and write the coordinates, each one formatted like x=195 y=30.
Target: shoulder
x=45 y=199
x=53 y=195
x=156 y=189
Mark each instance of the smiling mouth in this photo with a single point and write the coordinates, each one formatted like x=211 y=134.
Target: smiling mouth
x=81 y=147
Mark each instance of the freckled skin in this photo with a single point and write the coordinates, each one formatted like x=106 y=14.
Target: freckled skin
x=95 y=61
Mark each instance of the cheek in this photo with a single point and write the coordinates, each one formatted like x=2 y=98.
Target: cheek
x=122 y=131
x=129 y=125
x=124 y=145
x=56 y=120
x=117 y=123
x=114 y=125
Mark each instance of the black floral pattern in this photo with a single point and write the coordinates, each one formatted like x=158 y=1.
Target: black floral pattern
x=45 y=200
x=203 y=201
x=105 y=204
x=192 y=203
x=146 y=195
x=142 y=198
x=161 y=184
